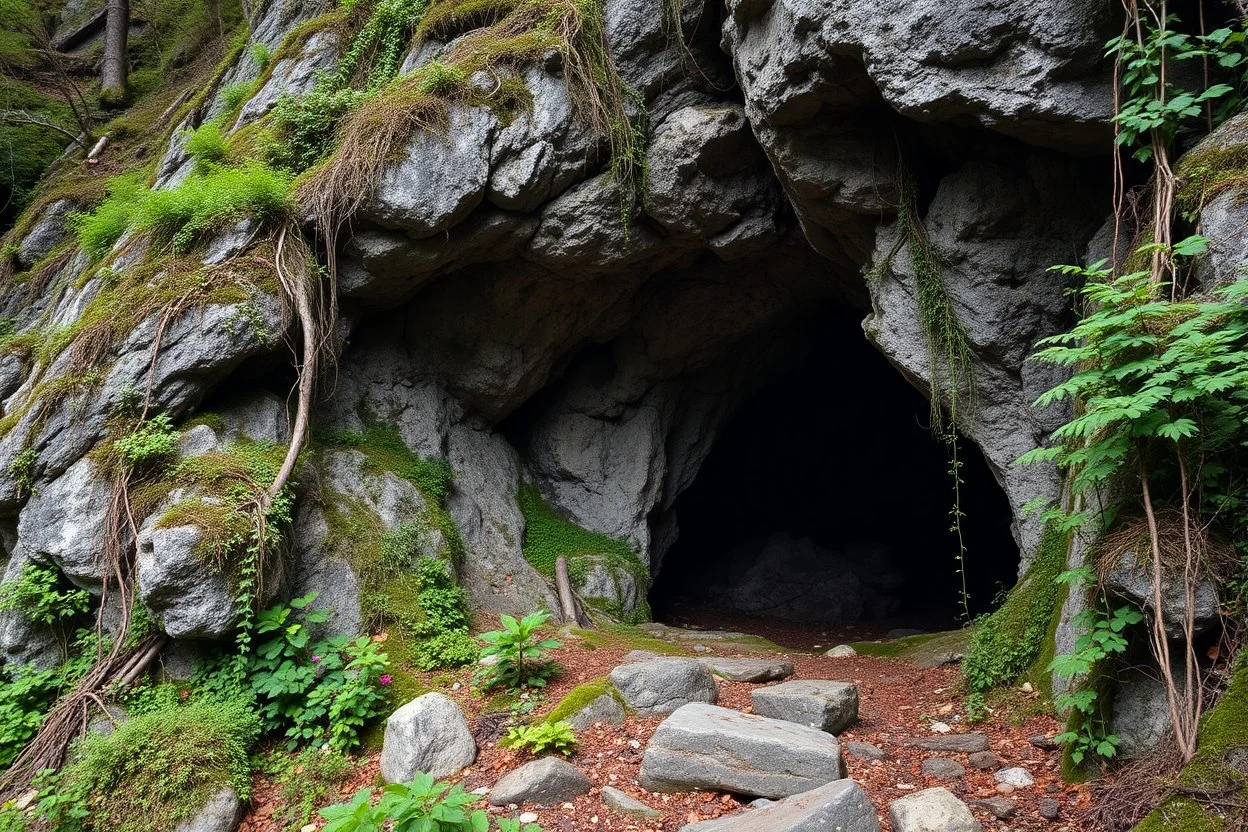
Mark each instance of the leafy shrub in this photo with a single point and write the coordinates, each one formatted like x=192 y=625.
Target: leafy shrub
x=182 y=214
x=24 y=699
x=152 y=441
x=40 y=593
x=154 y=771
x=314 y=692
x=207 y=145
x=261 y=54
x=233 y=96
x=521 y=660
x=302 y=128
x=541 y=737
x=419 y=806
x=22 y=469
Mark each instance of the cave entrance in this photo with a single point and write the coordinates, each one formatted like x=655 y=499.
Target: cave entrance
x=823 y=510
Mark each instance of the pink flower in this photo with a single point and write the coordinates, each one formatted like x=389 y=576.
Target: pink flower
x=385 y=679
x=315 y=659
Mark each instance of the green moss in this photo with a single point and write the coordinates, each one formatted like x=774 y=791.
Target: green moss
x=579 y=697
x=548 y=535
x=1178 y=813
x=1208 y=171
x=622 y=636
x=156 y=770
x=924 y=649
x=1010 y=641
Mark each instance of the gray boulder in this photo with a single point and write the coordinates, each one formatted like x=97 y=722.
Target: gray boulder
x=942 y=768
x=706 y=747
x=660 y=686
x=864 y=751
x=605 y=708
x=64 y=522
x=931 y=810
x=1000 y=808
x=626 y=804
x=840 y=805
x=181 y=587
x=1017 y=777
x=222 y=813
x=543 y=782
x=749 y=670
x=1141 y=713
x=828 y=706
x=1131 y=578
x=428 y=734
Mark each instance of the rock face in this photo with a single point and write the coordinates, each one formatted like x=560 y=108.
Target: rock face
x=931 y=810
x=707 y=747
x=221 y=813
x=543 y=782
x=1132 y=580
x=428 y=734
x=660 y=686
x=828 y=706
x=840 y=805
x=604 y=708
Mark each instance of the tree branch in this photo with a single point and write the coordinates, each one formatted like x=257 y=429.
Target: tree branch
x=26 y=117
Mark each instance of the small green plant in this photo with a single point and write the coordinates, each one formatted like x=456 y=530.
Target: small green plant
x=521 y=660
x=151 y=442
x=40 y=593
x=1101 y=636
x=22 y=469
x=541 y=737
x=233 y=96
x=303 y=781
x=419 y=806
x=207 y=145
x=261 y=54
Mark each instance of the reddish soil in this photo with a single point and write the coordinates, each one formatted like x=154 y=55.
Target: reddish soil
x=897 y=702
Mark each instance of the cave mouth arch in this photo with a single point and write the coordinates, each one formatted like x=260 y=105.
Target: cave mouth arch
x=824 y=504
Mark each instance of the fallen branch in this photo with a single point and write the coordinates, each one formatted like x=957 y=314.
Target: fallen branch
x=567 y=599
x=25 y=117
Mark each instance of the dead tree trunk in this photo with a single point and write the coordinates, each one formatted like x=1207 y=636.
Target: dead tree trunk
x=114 y=70
x=572 y=613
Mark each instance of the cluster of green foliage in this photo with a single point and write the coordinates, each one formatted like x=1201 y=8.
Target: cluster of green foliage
x=321 y=692
x=540 y=737
x=26 y=150
x=1156 y=102
x=419 y=806
x=42 y=594
x=1008 y=642
x=153 y=441
x=27 y=692
x=547 y=535
x=430 y=612
x=520 y=653
x=153 y=771
x=386 y=451
x=183 y=214
x=303 y=782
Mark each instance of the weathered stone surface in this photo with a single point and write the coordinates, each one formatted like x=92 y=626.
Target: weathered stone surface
x=543 y=782
x=660 y=686
x=605 y=708
x=966 y=743
x=1017 y=777
x=931 y=810
x=1049 y=808
x=23 y=641
x=1131 y=578
x=64 y=522
x=983 y=760
x=749 y=670
x=185 y=594
x=627 y=804
x=707 y=747
x=841 y=651
x=46 y=234
x=942 y=768
x=1002 y=808
x=826 y=705
x=428 y=734
x=222 y=813
x=840 y=805
x=864 y=751
x=1141 y=713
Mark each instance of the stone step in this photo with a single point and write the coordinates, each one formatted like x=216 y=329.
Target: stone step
x=839 y=805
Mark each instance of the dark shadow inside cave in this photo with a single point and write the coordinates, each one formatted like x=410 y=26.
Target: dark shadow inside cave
x=826 y=500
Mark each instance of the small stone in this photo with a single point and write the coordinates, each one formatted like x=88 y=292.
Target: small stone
x=1050 y=809
x=1005 y=788
x=749 y=670
x=1000 y=808
x=939 y=728
x=817 y=703
x=627 y=804
x=961 y=743
x=942 y=768
x=983 y=760
x=545 y=782
x=931 y=810
x=760 y=803
x=841 y=651
x=658 y=687
x=1027 y=688
x=528 y=817
x=864 y=751
x=311 y=827
x=1044 y=743
x=1019 y=778
x=428 y=734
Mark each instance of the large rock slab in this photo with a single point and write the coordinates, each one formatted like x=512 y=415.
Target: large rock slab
x=840 y=805
x=660 y=686
x=1131 y=578
x=931 y=810
x=817 y=703
x=428 y=734
x=222 y=813
x=750 y=670
x=543 y=782
x=706 y=747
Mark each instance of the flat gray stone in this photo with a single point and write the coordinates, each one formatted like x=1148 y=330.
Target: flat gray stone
x=545 y=782
x=749 y=670
x=626 y=804
x=965 y=743
x=841 y=651
x=1019 y=778
x=943 y=768
x=840 y=806
x=659 y=686
x=983 y=760
x=703 y=747
x=1049 y=808
x=864 y=751
x=428 y=734
x=816 y=703
x=932 y=810
x=1000 y=808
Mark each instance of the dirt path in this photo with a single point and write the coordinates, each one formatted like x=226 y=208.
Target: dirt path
x=898 y=701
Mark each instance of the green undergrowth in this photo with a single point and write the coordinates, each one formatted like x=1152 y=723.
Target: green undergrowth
x=926 y=648
x=1013 y=641
x=548 y=535
x=579 y=697
x=155 y=771
x=1206 y=172
x=608 y=635
x=1223 y=733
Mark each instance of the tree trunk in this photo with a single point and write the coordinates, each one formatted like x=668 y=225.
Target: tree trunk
x=115 y=67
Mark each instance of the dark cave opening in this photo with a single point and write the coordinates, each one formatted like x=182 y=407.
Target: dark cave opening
x=826 y=500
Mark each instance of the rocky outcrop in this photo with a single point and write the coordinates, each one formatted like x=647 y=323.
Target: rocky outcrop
x=931 y=810
x=428 y=734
